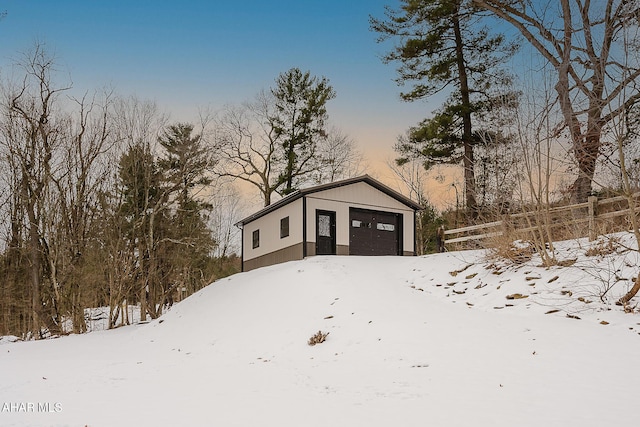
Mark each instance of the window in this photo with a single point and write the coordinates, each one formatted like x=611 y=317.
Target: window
x=385 y=227
x=256 y=239
x=284 y=227
x=360 y=224
x=324 y=225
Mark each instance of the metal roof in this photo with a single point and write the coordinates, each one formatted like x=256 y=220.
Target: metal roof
x=303 y=192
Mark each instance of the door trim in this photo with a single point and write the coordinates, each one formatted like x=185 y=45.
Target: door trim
x=332 y=227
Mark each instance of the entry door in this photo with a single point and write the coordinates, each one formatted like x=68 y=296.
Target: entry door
x=325 y=232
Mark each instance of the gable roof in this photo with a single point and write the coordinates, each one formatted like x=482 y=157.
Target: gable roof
x=305 y=191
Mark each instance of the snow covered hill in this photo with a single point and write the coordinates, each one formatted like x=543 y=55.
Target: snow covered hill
x=452 y=339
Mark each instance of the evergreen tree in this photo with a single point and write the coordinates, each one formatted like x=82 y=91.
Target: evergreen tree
x=442 y=47
x=185 y=162
x=428 y=223
x=185 y=165
x=161 y=221
x=142 y=211
x=299 y=121
x=139 y=178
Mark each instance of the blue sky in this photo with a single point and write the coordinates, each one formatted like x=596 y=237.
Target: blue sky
x=195 y=53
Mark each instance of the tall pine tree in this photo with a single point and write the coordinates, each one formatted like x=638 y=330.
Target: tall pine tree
x=184 y=166
x=299 y=122
x=442 y=47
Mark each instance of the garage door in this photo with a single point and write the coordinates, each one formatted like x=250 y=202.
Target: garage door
x=374 y=232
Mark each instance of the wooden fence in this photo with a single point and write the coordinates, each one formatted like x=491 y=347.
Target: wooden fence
x=590 y=218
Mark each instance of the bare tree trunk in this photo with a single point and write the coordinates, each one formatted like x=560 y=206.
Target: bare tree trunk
x=632 y=292
x=35 y=271
x=35 y=135
x=13 y=307
x=582 y=45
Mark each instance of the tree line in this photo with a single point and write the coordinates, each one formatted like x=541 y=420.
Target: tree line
x=105 y=202
x=582 y=88
x=576 y=115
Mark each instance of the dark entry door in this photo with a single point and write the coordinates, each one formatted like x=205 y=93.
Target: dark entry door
x=374 y=232
x=325 y=232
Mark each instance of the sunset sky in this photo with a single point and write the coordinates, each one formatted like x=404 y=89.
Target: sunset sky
x=208 y=53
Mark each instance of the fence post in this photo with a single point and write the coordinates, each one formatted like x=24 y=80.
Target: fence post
x=440 y=239
x=593 y=212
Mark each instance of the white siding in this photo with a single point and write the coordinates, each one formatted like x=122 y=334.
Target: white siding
x=269 y=226
x=357 y=195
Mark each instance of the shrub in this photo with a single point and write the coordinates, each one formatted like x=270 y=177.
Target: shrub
x=318 y=338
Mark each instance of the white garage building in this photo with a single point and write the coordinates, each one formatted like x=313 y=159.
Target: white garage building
x=357 y=216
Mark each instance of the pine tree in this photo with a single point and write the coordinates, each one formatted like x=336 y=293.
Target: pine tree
x=442 y=48
x=185 y=166
x=142 y=210
x=299 y=122
x=185 y=162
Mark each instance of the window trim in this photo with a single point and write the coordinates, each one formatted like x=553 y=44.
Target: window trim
x=284 y=227
x=255 y=239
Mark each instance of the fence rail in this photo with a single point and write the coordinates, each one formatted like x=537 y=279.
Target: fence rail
x=590 y=219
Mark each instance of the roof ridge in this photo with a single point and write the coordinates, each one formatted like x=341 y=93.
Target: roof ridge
x=327 y=186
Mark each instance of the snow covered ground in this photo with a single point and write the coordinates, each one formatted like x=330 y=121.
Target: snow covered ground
x=453 y=339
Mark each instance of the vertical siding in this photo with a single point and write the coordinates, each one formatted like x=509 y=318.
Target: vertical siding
x=274 y=249
x=358 y=195
x=269 y=226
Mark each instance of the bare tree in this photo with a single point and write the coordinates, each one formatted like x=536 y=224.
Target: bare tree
x=83 y=174
x=32 y=135
x=339 y=158
x=14 y=301
x=75 y=234
x=534 y=132
x=627 y=190
x=582 y=41
x=251 y=149
x=247 y=146
x=625 y=132
x=227 y=211
x=55 y=152
x=412 y=177
x=116 y=262
x=498 y=155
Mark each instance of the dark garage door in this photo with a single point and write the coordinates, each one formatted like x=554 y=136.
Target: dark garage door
x=374 y=232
